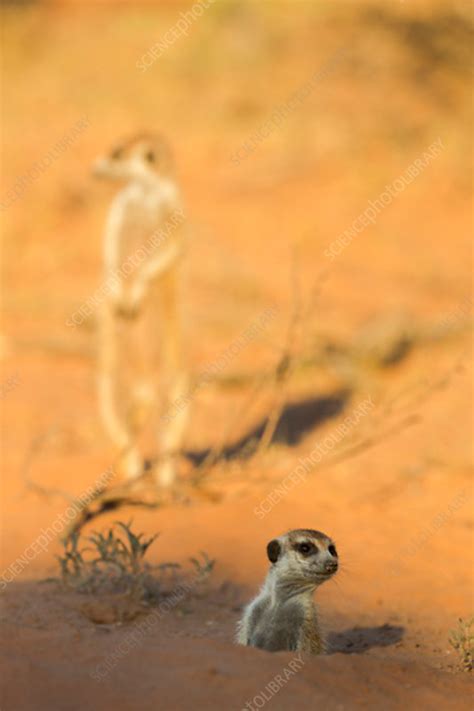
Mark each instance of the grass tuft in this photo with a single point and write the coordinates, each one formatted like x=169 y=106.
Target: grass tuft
x=462 y=640
x=111 y=566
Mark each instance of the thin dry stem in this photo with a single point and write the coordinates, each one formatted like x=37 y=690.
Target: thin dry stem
x=285 y=364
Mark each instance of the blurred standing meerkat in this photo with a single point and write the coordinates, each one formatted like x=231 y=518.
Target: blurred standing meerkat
x=140 y=324
x=283 y=616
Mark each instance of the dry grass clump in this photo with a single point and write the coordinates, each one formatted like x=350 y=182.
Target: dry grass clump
x=111 y=567
x=462 y=640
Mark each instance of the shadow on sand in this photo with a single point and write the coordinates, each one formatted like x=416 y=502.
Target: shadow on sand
x=297 y=419
x=359 y=639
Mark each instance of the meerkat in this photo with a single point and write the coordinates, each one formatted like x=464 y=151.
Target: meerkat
x=140 y=324
x=283 y=616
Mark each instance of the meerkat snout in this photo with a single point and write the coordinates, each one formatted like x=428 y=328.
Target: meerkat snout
x=330 y=567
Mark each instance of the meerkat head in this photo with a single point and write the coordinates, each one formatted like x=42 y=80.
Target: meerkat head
x=138 y=158
x=303 y=557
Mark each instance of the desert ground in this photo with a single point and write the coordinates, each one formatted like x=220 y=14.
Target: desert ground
x=382 y=317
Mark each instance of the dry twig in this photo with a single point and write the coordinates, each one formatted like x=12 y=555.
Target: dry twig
x=285 y=364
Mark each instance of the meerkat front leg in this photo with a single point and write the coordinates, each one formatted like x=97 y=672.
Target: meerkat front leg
x=131 y=301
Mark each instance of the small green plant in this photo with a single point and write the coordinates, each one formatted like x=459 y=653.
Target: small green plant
x=72 y=562
x=112 y=565
x=113 y=562
x=203 y=569
x=462 y=640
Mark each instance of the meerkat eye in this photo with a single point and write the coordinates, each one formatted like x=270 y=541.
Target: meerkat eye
x=306 y=548
x=150 y=157
x=116 y=154
x=332 y=550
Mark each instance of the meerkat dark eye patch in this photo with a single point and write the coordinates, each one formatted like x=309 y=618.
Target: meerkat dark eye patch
x=332 y=550
x=116 y=154
x=306 y=548
x=273 y=551
x=150 y=156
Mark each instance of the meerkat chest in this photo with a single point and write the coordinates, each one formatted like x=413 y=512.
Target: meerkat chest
x=138 y=215
x=277 y=627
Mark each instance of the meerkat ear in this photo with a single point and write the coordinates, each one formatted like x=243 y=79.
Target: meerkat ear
x=273 y=551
